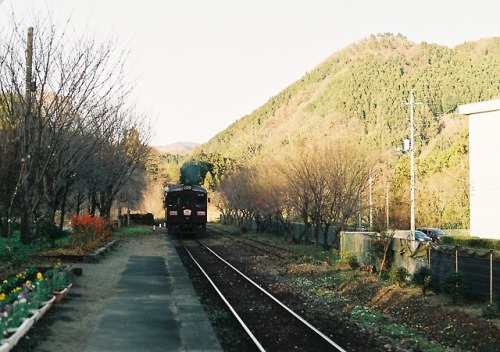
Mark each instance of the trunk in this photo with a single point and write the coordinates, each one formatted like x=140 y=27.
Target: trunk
x=93 y=205
x=386 y=243
x=63 y=208
x=336 y=237
x=287 y=228
x=26 y=226
x=305 y=233
x=316 y=232
x=4 y=230
x=325 y=236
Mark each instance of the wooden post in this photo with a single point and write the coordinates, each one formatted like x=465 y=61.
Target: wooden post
x=491 y=277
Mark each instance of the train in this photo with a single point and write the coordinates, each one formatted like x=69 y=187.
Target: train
x=186 y=209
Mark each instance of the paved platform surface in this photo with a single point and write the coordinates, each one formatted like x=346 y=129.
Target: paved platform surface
x=155 y=308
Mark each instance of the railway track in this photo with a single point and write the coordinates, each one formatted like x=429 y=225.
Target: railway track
x=269 y=323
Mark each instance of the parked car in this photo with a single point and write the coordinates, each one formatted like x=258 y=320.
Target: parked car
x=432 y=232
x=422 y=237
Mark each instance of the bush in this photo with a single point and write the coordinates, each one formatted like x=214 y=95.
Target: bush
x=48 y=231
x=423 y=278
x=399 y=275
x=14 y=253
x=470 y=241
x=492 y=310
x=353 y=262
x=89 y=231
x=351 y=259
x=452 y=286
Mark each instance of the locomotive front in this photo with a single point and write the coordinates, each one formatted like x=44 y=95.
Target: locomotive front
x=186 y=209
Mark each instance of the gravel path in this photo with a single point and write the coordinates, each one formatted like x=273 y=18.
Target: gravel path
x=68 y=325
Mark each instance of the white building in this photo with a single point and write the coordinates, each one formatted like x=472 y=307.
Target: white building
x=484 y=163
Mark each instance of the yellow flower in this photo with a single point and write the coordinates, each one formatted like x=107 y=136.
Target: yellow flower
x=5 y=281
x=2 y=296
x=28 y=283
x=39 y=276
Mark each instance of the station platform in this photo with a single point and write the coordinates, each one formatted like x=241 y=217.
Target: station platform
x=155 y=308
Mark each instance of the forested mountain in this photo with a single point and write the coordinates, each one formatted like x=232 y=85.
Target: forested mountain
x=359 y=92
x=177 y=147
x=358 y=95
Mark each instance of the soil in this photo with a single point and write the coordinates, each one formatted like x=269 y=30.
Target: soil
x=68 y=325
x=407 y=320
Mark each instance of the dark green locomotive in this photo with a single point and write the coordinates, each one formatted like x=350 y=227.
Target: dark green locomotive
x=186 y=209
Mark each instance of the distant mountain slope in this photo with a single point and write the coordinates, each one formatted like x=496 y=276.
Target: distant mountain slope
x=358 y=94
x=178 y=147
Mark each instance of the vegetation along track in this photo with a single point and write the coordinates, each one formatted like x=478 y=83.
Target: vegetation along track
x=271 y=324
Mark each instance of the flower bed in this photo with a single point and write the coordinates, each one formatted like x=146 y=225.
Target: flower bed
x=25 y=297
x=90 y=257
x=90 y=238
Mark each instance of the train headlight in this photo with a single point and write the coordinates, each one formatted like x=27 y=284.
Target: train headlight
x=172 y=212
x=201 y=213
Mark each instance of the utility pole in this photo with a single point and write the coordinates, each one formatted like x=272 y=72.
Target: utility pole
x=26 y=214
x=412 y=104
x=387 y=205
x=371 y=201
x=29 y=69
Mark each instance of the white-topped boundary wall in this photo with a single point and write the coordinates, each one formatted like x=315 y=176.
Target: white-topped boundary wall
x=484 y=166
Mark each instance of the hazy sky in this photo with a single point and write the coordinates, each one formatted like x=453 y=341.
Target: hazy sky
x=203 y=64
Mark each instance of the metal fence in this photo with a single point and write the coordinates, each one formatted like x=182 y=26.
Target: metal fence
x=296 y=227
x=480 y=269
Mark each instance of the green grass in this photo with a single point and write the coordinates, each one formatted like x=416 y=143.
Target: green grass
x=132 y=230
x=410 y=338
x=14 y=253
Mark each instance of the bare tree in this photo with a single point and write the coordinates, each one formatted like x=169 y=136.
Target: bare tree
x=296 y=169
x=75 y=91
x=325 y=183
x=349 y=169
x=122 y=160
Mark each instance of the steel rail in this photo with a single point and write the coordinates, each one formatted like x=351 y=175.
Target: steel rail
x=305 y=322
x=242 y=323
x=246 y=240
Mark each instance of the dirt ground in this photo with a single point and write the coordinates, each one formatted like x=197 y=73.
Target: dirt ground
x=408 y=317
x=68 y=325
x=456 y=327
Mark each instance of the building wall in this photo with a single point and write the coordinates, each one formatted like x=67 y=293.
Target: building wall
x=484 y=155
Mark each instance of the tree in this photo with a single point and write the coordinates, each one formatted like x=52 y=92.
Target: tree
x=56 y=91
x=120 y=161
x=294 y=169
x=348 y=173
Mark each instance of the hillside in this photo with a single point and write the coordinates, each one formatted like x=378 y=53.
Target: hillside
x=358 y=95
x=358 y=92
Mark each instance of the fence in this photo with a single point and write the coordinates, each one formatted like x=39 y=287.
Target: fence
x=137 y=219
x=480 y=269
x=296 y=227
x=407 y=253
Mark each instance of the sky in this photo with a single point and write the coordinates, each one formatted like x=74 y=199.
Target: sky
x=197 y=66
